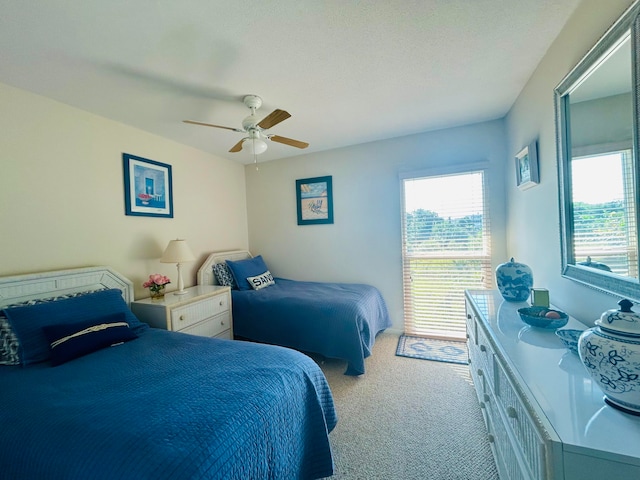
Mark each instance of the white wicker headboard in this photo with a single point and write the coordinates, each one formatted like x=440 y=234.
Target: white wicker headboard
x=205 y=273
x=20 y=288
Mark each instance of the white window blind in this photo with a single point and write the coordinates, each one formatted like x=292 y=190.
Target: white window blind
x=446 y=249
x=605 y=231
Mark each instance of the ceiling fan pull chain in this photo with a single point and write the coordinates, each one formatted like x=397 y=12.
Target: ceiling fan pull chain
x=255 y=155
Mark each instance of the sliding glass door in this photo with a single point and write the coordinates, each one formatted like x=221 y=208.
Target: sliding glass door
x=446 y=249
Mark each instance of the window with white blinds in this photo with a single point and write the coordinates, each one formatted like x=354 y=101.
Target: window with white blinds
x=604 y=228
x=446 y=249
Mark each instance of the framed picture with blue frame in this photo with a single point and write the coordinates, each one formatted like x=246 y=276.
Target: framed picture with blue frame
x=148 y=190
x=314 y=199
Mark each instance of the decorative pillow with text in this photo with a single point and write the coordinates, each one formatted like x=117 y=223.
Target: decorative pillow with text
x=261 y=281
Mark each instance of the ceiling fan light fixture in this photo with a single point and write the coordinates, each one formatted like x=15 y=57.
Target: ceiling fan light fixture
x=254 y=146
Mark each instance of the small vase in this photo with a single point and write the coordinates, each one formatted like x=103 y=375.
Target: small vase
x=611 y=353
x=157 y=293
x=514 y=281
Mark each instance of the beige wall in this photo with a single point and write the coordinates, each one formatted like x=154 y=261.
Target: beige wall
x=533 y=215
x=62 y=203
x=364 y=243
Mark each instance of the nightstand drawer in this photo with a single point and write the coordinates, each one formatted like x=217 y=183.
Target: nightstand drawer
x=211 y=327
x=183 y=317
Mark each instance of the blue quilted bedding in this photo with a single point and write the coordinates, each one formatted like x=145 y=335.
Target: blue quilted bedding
x=168 y=406
x=337 y=320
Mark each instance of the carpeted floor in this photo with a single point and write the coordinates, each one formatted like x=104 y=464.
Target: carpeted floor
x=432 y=349
x=409 y=420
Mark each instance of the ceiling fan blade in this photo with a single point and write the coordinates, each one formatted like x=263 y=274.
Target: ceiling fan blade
x=288 y=141
x=273 y=118
x=211 y=125
x=237 y=147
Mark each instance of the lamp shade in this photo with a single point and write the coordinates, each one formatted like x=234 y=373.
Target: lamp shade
x=177 y=252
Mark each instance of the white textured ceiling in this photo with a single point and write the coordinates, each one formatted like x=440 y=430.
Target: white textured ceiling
x=348 y=72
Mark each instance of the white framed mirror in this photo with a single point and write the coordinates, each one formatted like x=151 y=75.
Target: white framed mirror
x=597 y=117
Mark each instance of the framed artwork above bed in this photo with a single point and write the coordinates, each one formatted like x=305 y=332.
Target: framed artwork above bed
x=148 y=190
x=314 y=200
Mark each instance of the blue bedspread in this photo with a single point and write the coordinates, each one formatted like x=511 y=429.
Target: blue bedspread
x=168 y=406
x=337 y=320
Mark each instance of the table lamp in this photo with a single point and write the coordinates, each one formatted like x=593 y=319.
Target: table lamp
x=178 y=252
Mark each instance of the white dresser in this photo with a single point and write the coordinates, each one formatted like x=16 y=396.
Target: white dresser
x=545 y=417
x=204 y=310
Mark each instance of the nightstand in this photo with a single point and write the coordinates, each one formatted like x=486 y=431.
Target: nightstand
x=204 y=310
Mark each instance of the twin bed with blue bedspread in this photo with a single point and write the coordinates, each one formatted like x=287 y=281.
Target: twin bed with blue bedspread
x=336 y=320
x=158 y=404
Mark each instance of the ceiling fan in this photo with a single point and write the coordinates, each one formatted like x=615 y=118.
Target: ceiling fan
x=255 y=129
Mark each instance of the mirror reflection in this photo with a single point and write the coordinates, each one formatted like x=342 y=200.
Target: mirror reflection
x=601 y=165
x=603 y=208
x=598 y=165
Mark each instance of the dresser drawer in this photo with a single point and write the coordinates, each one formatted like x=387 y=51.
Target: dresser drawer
x=484 y=354
x=523 y=428
x=471 y=324
x=212 y=327
x=478 y=373
x=187 y=315
x=509 y=460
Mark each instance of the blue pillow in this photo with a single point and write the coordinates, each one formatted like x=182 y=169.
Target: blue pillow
x=68 y=341
x=27 y=322
x=242 y=269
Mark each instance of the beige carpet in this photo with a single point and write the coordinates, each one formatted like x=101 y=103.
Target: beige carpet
x=407 y=419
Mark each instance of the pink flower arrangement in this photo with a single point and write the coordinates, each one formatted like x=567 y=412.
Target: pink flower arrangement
x=156 y=282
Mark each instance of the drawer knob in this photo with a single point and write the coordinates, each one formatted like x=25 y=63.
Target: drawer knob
x=181 y=317
x=490 y=438
x=468 y=316
x=480 y=372
x=511 y=412
x=221 y=303
x=486 y=397
x=222 y=322
x=483 y=348
x=482 y=405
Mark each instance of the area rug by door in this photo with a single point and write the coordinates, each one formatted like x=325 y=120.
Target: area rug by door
x=432 y=349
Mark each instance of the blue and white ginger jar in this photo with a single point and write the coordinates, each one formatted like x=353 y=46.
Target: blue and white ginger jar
x=514 y=281
x=611 y=353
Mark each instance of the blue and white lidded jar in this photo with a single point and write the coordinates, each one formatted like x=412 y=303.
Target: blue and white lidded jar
x=514 y=281
x=611 y=353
